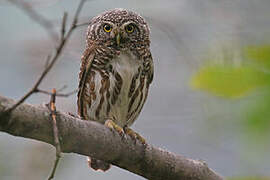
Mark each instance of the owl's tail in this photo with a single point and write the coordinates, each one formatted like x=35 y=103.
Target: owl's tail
x=98 y=164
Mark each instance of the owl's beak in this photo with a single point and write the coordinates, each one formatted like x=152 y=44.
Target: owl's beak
x=118 y=38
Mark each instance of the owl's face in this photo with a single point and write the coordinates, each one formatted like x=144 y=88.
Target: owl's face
x=118 y=29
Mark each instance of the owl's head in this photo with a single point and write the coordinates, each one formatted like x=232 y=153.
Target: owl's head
x=118 y=28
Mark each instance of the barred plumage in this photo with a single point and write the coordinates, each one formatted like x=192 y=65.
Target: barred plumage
x=116 y=70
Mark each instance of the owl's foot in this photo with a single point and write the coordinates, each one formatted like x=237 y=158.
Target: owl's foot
x=110 y=124
x=134 y=135
x=74 y=115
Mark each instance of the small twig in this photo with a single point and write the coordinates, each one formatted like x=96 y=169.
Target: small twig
x=58 y=94
x=63 y=27
x=54 y=168
x=62 y=88
x=52 y=109
x=55 y=57
x=38 y=18
x=82 y=24
x=47 y=61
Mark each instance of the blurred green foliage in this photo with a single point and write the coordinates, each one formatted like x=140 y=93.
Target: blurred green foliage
x=229 y=81
x=259 y=54
x=238 y=80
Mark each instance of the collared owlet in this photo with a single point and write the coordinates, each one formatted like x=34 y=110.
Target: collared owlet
x=116 y=71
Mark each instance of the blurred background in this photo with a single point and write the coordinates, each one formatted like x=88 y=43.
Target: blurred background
x=210 y=98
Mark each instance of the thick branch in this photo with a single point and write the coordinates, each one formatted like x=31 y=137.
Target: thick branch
x=93 y=139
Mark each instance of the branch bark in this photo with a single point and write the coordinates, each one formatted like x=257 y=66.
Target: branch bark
x=93 y=139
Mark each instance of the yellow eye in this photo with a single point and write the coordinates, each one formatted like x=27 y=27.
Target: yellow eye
x=130 y=28
x=107 y=28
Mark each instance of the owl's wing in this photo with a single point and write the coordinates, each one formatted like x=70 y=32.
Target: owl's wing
x=86 y=62
x=150 y=69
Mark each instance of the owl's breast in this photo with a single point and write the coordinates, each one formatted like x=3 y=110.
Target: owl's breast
x=117 y=92
x=126 y=64
x=125 y=80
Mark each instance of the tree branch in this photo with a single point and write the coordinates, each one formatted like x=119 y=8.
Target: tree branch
x=93 y=139
x=55 y=57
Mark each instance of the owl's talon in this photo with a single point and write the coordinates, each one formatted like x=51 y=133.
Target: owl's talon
x=135 y=136
x=110 y=124
x=130 y=133
x=74 y=115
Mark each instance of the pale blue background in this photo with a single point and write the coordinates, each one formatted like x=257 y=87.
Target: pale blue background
x=175 y=117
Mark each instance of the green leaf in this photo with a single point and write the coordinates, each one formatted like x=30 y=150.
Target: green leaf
x=257 y=116
x=228 y=81
x=260 y=54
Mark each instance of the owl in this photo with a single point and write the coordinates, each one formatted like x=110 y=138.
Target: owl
x=116 y=72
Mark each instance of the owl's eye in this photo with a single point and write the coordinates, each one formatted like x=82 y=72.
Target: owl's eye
x=130 y=28
x=107 y=28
